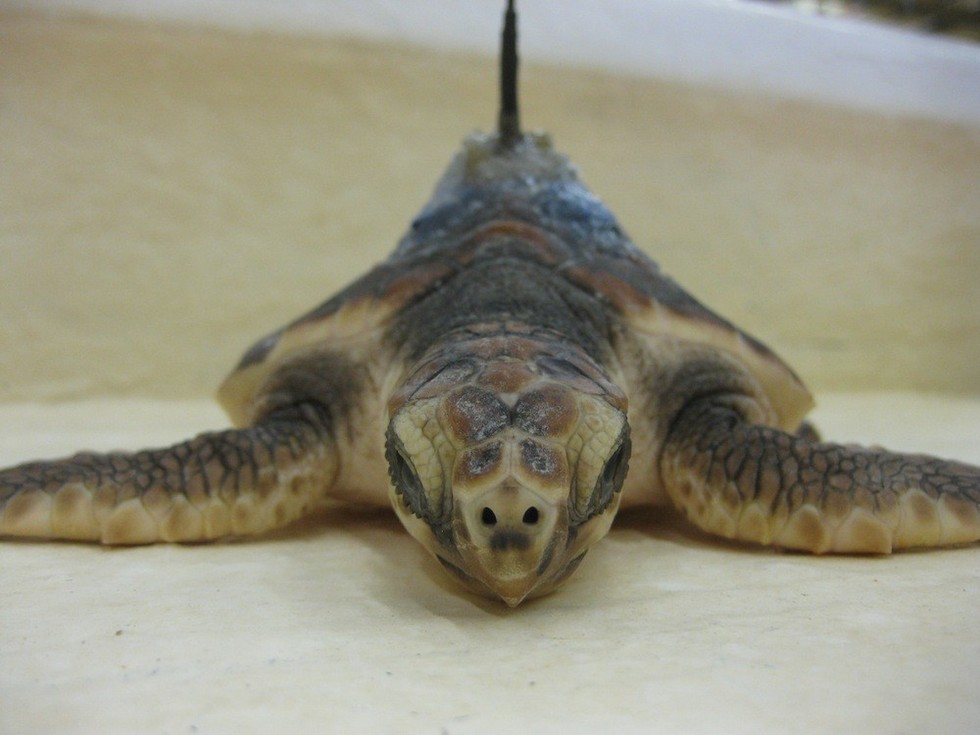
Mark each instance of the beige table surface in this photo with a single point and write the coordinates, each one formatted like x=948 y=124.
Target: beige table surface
x=343 y=625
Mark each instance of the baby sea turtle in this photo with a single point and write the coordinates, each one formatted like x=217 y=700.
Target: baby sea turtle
x=515 y=372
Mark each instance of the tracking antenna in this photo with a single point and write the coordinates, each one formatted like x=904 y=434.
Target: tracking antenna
x=509 y=121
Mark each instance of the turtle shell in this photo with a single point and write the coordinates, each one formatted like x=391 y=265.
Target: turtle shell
x=530 y=198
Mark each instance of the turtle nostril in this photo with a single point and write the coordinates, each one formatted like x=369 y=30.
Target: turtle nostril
x=530 y=516
x=488 y=517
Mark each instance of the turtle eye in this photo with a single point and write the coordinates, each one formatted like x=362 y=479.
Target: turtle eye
x=611 y=478
x=409 y=486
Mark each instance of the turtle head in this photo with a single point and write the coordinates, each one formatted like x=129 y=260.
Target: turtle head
x=506 y=468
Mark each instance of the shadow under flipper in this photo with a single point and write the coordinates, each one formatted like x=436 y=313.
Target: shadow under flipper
x=667 y=524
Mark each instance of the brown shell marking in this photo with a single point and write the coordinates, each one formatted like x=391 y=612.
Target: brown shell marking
x=654 y=306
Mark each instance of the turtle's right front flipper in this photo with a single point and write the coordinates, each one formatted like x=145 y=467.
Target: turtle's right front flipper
x=234 y=482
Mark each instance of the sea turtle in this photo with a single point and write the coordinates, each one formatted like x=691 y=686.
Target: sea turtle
x=513 y=373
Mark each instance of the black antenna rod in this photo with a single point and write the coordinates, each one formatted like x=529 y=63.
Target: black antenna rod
x=509 y=121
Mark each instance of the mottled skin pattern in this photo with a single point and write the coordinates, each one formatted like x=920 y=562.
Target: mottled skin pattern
x=217 y=484
x=515 y=372
x=755 y=483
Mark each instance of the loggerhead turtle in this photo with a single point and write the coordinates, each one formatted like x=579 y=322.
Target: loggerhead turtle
x=518 y=370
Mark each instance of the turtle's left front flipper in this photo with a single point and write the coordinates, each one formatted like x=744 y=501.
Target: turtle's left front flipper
x=234 y=482
x=759 y=484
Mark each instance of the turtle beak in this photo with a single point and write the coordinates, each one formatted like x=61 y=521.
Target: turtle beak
x=514 y=592
x=510 y=579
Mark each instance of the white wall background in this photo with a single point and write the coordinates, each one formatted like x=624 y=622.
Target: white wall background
x=729 y=42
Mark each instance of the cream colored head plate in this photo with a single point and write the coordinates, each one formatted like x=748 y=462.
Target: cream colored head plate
x=506 y=453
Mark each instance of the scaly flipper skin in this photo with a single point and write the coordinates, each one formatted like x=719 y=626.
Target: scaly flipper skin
x=235 y=482
x=756 y=483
